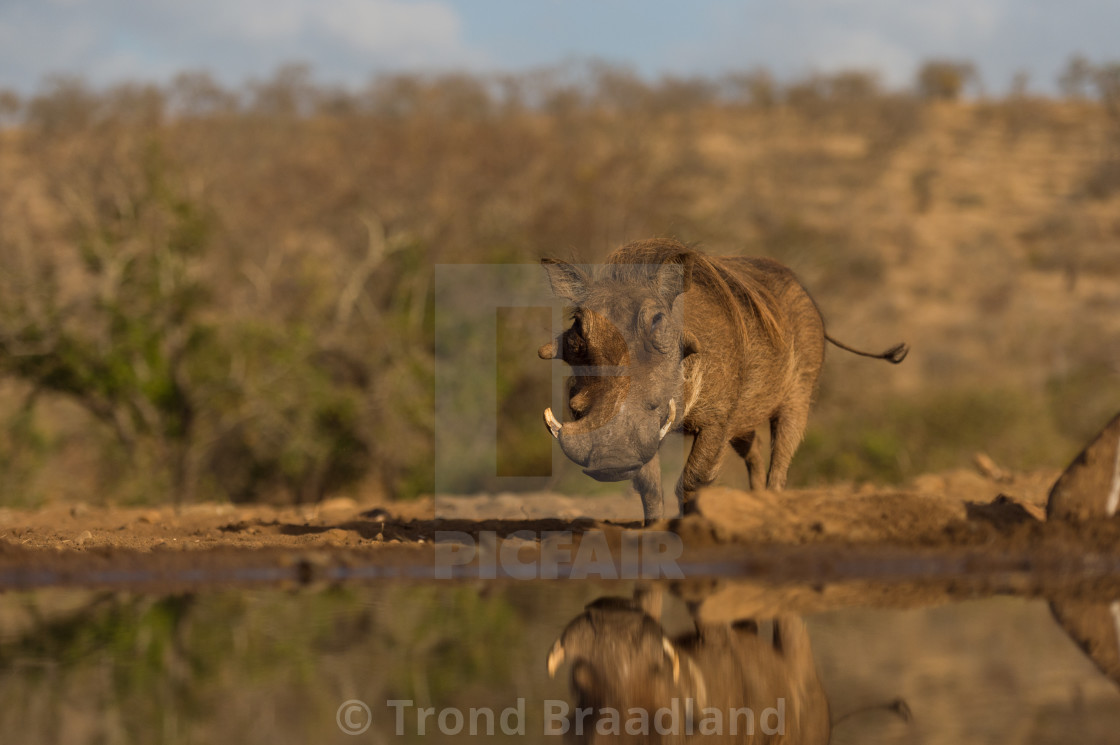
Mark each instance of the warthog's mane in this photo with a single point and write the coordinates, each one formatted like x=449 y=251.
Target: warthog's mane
x=639 y=262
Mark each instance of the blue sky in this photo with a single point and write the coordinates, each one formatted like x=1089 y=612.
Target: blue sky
x=347 y=41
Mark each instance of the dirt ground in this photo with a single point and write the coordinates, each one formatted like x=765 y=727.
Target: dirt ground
x=953 y=534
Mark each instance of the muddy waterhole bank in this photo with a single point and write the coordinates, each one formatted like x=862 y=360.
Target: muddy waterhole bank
x=946 y=610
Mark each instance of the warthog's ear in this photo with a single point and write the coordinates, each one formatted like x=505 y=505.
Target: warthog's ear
x=567 y=281
x=675 y=276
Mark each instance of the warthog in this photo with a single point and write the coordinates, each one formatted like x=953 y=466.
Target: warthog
x=729 y=684
x=1089 y=492
x=667 y=338
x=1095 y=627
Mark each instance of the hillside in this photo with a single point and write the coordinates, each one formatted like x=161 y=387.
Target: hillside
x=214 y=299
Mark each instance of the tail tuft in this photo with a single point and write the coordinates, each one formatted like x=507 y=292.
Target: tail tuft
x=897 y=353
x=894 y=355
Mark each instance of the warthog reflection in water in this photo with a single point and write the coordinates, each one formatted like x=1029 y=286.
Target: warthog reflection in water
x=720 y=682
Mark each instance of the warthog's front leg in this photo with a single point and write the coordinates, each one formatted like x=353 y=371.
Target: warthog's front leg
x=701 y=467
x=648 y=485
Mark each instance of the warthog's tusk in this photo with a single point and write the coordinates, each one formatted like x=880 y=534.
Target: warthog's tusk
x=669 y=422
x=555 y=658
x=553 y=425
x=669 y=650
x=698 y=680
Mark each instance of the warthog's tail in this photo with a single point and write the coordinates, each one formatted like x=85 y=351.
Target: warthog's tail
x=894 y=355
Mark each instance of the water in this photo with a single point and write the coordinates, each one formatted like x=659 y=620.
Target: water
x=279 y=666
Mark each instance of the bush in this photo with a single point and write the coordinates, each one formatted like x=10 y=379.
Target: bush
x=899 y=438
x=945 y=80
x=233 y=287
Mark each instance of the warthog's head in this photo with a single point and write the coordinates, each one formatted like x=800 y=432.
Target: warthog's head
x=626 y=348
x=621 y=659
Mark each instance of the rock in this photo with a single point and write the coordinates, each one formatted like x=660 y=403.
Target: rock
x=148 y=517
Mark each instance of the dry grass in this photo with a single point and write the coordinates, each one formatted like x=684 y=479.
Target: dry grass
x=230 y=293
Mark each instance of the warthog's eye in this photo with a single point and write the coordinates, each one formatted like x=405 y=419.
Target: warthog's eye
x=575 y=344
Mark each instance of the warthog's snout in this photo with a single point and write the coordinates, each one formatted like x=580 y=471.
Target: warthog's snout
x=603 y=454
x=554 y=425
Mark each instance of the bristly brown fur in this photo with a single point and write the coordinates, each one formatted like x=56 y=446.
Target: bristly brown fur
x=638 y=261
x=742 y=354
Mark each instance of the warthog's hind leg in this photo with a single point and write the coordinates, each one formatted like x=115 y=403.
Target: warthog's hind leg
x=786 y=430
x=751 y=452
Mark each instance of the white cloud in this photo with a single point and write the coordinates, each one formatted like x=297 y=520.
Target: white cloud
x=949 y=19
x=404 y=28
x=251 y=20
x=797 y=37
x=343 y=40
x=862 y=50
x=346 y=40
x=939 y=20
